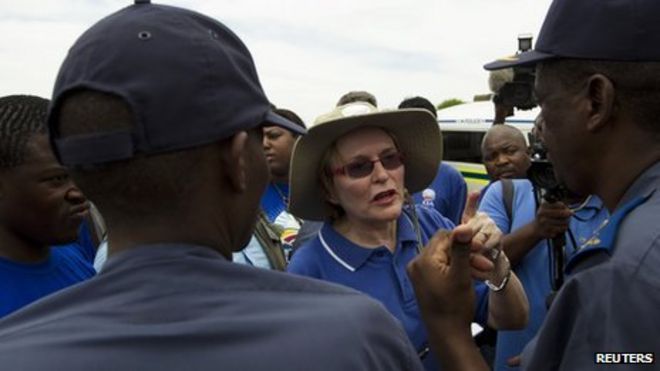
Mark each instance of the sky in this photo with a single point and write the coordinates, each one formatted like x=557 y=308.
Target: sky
x=308 y=53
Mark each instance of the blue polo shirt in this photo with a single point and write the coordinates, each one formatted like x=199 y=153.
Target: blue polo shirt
x=380 y=273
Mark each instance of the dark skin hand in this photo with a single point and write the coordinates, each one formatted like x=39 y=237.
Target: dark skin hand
x=551 y=220
x=443 y=286
x=501 y=113
x=442 y=276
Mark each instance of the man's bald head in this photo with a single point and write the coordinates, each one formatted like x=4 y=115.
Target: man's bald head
x=508 y=131
x=504 y=152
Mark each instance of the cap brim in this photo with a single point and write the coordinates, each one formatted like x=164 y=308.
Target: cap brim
x=523 y=59
x=277 y=120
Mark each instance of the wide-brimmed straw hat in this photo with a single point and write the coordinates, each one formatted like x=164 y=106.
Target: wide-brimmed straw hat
x=417 y=135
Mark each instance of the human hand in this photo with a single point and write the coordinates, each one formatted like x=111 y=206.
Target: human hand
x=471 y=206
x=551 y=219
x=513 y=361
x=486 y=257
x=485 y=247
x=502 y=111
x=440 y=275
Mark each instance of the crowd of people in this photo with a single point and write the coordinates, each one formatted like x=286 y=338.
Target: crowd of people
x=206 y=229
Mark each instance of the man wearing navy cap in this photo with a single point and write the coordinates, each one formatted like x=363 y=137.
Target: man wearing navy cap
x=159 y=112
x=598 y=85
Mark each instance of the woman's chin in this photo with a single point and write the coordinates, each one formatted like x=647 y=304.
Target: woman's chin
x=387 y=214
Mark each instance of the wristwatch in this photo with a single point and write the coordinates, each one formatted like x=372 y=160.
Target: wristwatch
x=505 y=280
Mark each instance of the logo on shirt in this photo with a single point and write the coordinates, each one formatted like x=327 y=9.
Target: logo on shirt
x=594 y=240
x=428 y=197
x=289 y=227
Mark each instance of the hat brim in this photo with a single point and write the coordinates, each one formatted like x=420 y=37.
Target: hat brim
x=277 y=120
x=527 y=58
x=417 y=134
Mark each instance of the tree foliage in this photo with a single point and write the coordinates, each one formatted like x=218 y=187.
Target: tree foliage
x=449 y=102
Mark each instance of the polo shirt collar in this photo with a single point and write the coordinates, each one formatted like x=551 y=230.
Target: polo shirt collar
x=604 y=238
x=590 y=209
x=352 y=256
x=602 y=241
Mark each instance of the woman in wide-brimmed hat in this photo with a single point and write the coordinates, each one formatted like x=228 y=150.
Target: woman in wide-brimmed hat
x=354 y=170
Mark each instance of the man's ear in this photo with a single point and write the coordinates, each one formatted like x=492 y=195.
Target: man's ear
x=234 y=160
x=601 y=94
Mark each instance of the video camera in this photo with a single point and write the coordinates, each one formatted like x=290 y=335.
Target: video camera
x=519 y=92
x=542 y=175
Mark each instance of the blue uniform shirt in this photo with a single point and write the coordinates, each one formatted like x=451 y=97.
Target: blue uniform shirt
x=586 y=220
x=533 y=270
x=23 y=283
x=379 y=273
x=610 y=301
x=183 y=307
x=447 y=193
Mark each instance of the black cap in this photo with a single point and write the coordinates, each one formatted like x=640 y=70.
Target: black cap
x=187 y=78
x=609 y=30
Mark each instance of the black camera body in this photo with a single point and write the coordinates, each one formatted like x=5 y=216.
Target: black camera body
x=542 y=175
x=519 y=93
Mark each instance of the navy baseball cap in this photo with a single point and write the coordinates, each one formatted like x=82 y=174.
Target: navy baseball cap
x=188 y=79
x=608 y=30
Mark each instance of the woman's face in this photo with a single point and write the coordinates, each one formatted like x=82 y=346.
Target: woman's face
x=371 y=197
x=278 y=144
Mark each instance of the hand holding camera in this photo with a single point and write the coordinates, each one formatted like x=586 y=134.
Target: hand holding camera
x=551 y=219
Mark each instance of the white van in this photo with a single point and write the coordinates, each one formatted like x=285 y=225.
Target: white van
x=463 y=128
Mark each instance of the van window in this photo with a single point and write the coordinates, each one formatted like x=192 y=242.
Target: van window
x=462 y=146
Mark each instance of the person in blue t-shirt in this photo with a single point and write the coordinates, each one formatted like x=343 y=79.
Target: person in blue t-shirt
x=447 y=193
x=353 y=170
x=505 y=154
x=40 y=207
x=526 y=245
x=528 y=228
x=278 y=144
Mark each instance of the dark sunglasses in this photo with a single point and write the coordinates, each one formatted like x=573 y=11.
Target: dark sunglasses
x=362 y=168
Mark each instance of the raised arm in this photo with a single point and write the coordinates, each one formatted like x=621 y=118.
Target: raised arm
x=508 y=308
x=443 y=285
